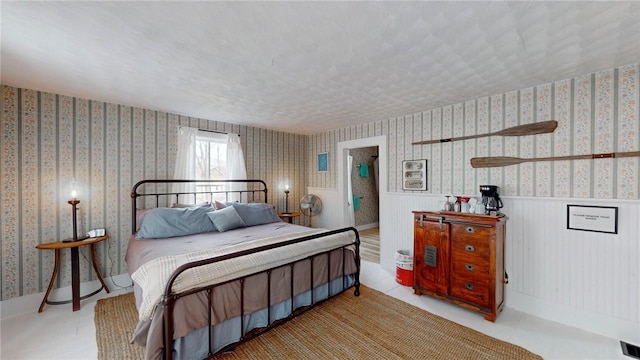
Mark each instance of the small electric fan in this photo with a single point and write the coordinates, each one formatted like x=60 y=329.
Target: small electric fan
x=310 y=205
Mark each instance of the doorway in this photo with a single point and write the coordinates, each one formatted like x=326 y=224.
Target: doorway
x=365 y=200
x=347 y=199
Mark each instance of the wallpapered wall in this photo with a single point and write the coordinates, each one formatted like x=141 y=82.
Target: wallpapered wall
x=49 y=139
x=596 y=113
x=364 y=187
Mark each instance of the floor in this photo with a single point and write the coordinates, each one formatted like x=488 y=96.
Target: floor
x=59 y=333
x=370 y=244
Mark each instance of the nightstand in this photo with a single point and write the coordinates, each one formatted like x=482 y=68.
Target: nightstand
x=75 y=269
x=288 y=216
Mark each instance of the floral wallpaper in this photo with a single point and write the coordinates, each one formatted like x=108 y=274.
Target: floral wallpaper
x=47 y=140
x=364 y=187
x=596 y=113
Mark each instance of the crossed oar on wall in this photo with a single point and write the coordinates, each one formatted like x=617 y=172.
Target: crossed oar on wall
x=521 y=130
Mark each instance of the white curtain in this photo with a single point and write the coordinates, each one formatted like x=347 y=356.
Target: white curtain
x=185 y=161
x=351 y=215
x=235 y=165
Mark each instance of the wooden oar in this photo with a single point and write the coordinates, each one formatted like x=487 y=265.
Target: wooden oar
x=520 y=130
x=495 y=161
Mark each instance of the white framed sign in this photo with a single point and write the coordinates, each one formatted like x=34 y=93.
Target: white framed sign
x=414 y=175
x=593 y=218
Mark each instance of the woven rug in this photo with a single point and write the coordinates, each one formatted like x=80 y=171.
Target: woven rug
x=116 y=318
x=371 y=326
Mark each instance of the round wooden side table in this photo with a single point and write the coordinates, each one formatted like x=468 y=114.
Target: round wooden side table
x=288 y=216
x=75 y=269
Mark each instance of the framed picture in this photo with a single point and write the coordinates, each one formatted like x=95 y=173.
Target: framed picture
x=593 y=218
x=323 y=162
x=414 y=175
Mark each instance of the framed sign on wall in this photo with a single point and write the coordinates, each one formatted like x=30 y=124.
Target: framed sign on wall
x=593 y=218
x=414 y=175
x=323 y=162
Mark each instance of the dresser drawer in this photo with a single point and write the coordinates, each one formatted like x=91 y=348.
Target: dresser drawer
x=470 y=269
x=470 y=250
x=472 y=290
x=478 y=232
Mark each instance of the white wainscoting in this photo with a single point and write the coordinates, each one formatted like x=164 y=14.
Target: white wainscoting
x=328 y=218
x=582 y=279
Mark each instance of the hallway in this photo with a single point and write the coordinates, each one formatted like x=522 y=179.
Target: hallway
x=370 y=245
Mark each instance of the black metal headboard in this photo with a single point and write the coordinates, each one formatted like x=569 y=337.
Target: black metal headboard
x=160 y=192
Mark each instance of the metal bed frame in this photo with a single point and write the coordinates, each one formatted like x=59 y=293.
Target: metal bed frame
x=253 y=187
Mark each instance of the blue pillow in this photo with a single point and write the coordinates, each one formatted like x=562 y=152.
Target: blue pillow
x=179 y=205
x=171 y=222
x=256 y=213
x=226 y=219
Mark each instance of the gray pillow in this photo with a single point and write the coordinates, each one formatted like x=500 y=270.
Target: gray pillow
x=171 y=222
x=256 y=213
x=226 y=219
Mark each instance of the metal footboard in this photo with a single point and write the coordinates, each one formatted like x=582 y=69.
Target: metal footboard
x=169 y=298
x=157 y=193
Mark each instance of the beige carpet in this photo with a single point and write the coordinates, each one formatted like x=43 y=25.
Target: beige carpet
x=372 y=326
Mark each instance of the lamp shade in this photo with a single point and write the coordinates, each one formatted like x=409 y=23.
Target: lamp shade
x=74 y=189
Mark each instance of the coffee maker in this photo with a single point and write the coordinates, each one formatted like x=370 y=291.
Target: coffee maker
x=491 y=199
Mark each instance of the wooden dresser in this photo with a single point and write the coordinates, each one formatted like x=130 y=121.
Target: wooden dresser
x=459 y=258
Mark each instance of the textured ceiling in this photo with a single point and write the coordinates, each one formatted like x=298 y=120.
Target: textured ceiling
x=307 y=67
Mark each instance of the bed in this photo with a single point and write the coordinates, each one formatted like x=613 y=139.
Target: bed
x=221 y=267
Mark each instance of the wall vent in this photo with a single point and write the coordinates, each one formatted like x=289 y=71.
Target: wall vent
x=630 y=350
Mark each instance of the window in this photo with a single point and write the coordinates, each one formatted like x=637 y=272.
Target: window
x=203 y=155
x=210 y=157
x=210 y=163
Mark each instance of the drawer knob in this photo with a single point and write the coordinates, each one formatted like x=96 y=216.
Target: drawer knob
x=468 y=286
x=470 y=229
x=469 y=267
x=469 y=248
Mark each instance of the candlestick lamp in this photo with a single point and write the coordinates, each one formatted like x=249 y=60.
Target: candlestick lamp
x=286 y=200
x=74 y=204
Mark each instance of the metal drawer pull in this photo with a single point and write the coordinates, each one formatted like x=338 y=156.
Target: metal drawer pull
x=470 y=229
x=469 y=267
x=469 y=248
x=469 y=286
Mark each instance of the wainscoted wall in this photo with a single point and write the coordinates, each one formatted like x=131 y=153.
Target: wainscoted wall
x=583 y=279
x=588 y=280
x=49 y=139
x=327 y=219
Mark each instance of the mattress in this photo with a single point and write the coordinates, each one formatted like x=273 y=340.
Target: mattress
x=191 y=313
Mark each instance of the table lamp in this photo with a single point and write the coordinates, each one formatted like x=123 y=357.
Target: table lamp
x=286 y=200
x=74 y=203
